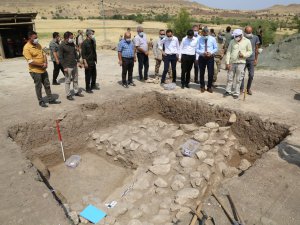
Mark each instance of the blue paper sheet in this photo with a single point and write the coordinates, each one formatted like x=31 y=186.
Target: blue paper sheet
x=92 y=214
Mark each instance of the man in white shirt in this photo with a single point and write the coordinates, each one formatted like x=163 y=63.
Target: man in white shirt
x=196 y=65
x=170 y=53
x=141 y=47
x=187 y=57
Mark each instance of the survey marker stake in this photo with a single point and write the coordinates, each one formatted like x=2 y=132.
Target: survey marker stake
x=60 y=139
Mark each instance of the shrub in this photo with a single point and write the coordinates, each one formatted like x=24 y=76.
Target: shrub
x=181 y=23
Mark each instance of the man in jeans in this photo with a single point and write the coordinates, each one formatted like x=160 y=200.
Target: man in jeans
x=170 y=53
x=251 y=62
x=126 y=59
x=70 y=61
x=238 y=51
x=187 y=57
x=54 y=48
x=207 y=48
x=141 y=45
x=37 y=62
x=89 y=56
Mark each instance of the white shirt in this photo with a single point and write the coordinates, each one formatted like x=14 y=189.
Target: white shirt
x=188 y=46
x=171 y=45
x=141 y=42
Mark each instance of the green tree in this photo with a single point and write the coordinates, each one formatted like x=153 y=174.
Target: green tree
x=181 y=23
x=139 y=18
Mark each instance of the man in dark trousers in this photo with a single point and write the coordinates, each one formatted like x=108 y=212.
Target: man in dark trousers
x=207 y=48
x=126 y=59
x=89 y=56
x=54 y=48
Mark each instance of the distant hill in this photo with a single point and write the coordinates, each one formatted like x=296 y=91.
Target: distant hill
x=292 y=8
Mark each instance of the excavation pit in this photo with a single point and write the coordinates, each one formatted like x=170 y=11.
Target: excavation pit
x=131 y=153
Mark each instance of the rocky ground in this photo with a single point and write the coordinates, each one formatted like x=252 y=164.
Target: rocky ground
x=268 y=192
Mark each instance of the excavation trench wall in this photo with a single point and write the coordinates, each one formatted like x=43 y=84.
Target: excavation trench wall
x=39 y=138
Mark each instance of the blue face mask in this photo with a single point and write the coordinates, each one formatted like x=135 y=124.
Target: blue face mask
x=141 y=34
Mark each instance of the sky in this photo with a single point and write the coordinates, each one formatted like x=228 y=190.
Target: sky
x=241 y=4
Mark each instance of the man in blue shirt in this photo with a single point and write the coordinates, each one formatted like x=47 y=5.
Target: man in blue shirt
x=207 y=48
x=126 y=59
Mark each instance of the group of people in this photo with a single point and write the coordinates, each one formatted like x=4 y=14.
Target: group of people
x=204 y=50
x=67 y=55
x=201 y=48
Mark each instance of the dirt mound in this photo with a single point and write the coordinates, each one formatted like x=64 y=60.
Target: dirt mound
x=284 y=55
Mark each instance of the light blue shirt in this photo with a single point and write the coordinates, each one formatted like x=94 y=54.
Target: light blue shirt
x=212 y=46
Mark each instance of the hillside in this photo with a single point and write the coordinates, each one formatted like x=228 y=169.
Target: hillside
x=292 y=8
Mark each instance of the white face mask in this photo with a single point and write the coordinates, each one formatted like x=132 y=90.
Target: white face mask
x=93 y=36
x=196 y=33
x=170 y=38
x=141 y=34
x=249 y=35
x=71 y=40
x=162 y=36
x=35 y=41
x=205 y=37
x=238 y=38
x=128 y=40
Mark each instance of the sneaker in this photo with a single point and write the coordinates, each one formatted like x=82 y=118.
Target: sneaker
x=226 y=94
x=43 y=104
x=187 y=86
x=132 y=84
x=125 y=85
x=54 y=101
x=79 y=95
x=70 y=97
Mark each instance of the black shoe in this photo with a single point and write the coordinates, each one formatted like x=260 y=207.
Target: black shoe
x=89 y=91
x=125 y=85
x=43 y=104
x=132 y=84
x=226 y=94
x=197 y=82
x=55 y=83
x=210 y=90
x=235 y=96
x=182 y=86
x=187 y=86
x=70 y=98
x=79 y=95
x=95 y=88
x=54 y=101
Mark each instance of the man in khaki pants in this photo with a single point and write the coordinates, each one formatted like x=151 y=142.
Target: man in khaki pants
x=238 y=51
x=70 y=61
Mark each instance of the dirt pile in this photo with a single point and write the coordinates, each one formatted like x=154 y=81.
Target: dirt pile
x=284 y=55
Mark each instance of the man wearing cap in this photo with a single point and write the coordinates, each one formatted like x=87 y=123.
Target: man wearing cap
x=89 y=57
x=187 y=57
x=238 y=51
x=207 y=48
x=37 y=62
x=141 y=46
x=251 y=62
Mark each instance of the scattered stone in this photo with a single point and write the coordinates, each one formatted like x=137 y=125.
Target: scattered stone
x=206 y=148
x=162 y=160
x=182 y=213
x=209 y=162
x=232 y=118
x=188 y=127
x=177 y=185
x=205 y=171
x=244 y=165
x=196 y=182
x=160 y=219
x=110 y=152
x=161 y=191
x=223 y=129
x=177 y=134
x=104 y=138
x=221 y=166
x=230 y=172
x=45 y=195
x=201 y=155
x=226 y=151
x=212 y=125
x=126 y=143
x=186 y=194
x=170 y=142
x=160 y=169
x=159 y=182
x=195 y=174
x=210 y=142
x=163 y=212
x=145 y=209
x=243 y=150
x=74 y=217
x=201 y=136
x=143 y=182
x=187 y=162
x=95 y=136
x=221 y=142
x=83 y=220
x=134 y=146
x=21 y=172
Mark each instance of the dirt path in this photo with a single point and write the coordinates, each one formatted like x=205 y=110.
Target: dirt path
x=27 y=201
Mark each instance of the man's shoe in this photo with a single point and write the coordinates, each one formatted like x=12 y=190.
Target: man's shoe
x=132 y=84
x=197 y=82
x=95 y=88
x=43 y=104
x=182 y=86
x=235 y=96
x=125 y=85
x=79 y=95
x=187 y=86
x=54 y=101
x=55 y=83
x=202 y=90
x=70 y=97
x=241 y=91
x=89 y=91
x=249 y=92
x=226 y=94
x=210 y=90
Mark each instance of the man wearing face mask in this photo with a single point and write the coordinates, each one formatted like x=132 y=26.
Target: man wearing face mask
x=89 y=57
x=37 y=62
x=141 y=46
x=170 y=50
x=70 y=61
x=251 y=62
x=238 y=51
x=207 y=48
x=127 y=58
x=196 y=65
x=54 y=48
x=187 y=57
x=158 y=54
